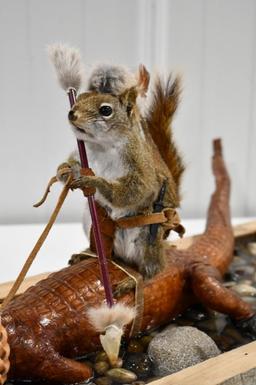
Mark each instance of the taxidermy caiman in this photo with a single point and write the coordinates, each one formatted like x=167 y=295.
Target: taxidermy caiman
x=48 y=327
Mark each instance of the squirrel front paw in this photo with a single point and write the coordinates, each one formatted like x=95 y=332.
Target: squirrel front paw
x=84 y=182
x=65 y=169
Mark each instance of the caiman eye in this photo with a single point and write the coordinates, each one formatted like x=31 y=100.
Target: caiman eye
x=106 y=110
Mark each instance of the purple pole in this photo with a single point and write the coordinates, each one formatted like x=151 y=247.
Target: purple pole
x=94 y=216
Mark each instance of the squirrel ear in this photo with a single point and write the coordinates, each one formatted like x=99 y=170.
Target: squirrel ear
x=128 y=98
x=143 y=77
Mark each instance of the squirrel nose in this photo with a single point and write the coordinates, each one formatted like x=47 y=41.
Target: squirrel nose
x=72 y=116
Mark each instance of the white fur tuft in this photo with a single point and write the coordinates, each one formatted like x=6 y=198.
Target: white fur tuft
x=67 y=62
x=104 y=316
x=107 y=78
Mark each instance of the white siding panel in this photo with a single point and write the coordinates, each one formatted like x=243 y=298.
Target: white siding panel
x=211 y=42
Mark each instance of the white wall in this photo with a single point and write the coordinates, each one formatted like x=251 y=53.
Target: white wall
x=212 y=42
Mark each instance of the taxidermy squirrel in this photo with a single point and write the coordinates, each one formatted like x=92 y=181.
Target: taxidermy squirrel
x=133 y=157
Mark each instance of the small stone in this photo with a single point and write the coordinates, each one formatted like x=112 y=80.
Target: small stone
x=177 y=348
x=101 y=367
x=101 y=356
x=229 y=284
x=231 y=276
x=244 y=290
x=103 y=381
x=84 y=383
x=245 y=271
x=140 y=364
x=118 y=364
x=215 y=325
x=135 y=346
x=145 y=340
x=252 y=248
x=238 y=261
x=121 y=375
x=251 y=300
x=232 y=332
x=224 y=343
x=245 y=282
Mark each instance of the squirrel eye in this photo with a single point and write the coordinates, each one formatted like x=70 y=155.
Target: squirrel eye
x=106 y=110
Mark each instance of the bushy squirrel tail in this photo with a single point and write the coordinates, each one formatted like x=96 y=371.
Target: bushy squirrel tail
x=164 y=103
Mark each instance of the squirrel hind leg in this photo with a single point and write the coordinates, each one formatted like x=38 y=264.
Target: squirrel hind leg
x=154 y=260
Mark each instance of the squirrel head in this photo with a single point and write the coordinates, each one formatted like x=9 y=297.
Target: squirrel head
x=104 y=118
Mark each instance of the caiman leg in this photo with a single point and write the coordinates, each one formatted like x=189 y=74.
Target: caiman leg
x=209 y=290
x=64 y=370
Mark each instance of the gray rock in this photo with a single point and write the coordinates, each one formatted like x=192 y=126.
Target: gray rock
x=176 y=348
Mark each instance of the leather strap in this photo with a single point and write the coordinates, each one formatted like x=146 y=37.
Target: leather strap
x=168 y=217
x=107 y=229
x=139 y=296
x=38 y=245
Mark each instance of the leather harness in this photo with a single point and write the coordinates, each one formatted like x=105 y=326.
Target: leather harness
x=167 y=217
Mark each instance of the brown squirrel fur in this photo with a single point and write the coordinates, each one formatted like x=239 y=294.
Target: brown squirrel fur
x=159 y=119
x=129 y=168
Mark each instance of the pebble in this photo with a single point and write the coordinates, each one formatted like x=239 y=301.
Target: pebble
x=140 y=364
x=101 y=367
x=224 y=343
x=231 y=276
x=233 y=332
x=237 y=261
x=245 y=270
x=252 y=248
x=229 y=284
x=118 y=364
x=101 y=356
x=245 y=282
x=103 y=381
x=121 y=375
x=177 y=348
x=145 y=340
x=215 y=325
x=244 y=290
x=135 y=346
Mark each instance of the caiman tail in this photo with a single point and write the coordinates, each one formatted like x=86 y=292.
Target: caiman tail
x=219 y=208
x=213 y=251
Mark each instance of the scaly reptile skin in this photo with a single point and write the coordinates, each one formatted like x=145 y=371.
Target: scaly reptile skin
x=47 y=325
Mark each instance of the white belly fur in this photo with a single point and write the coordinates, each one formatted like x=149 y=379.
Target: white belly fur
x=109 y=165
